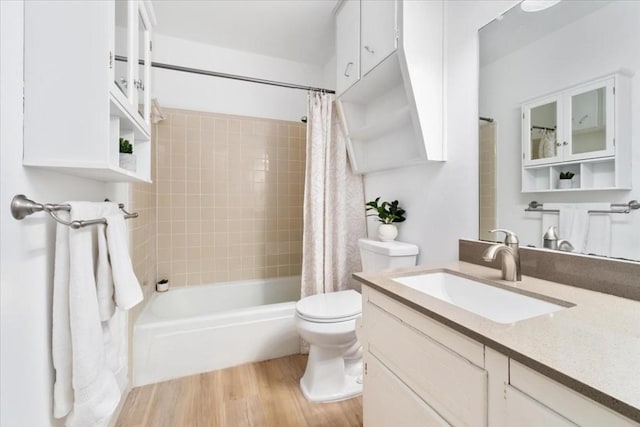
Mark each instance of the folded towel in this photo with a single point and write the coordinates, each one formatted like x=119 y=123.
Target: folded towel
x=85 y=389
x=599 y=231
x=127 y=287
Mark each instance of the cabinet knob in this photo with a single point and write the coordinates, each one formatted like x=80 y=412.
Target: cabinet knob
x=138 y=84
x=565 y=143
x=124 y=82
x=368 y=49
x=558 y=144
x=348 y=69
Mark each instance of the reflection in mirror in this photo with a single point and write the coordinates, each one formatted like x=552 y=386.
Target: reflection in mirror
x=142 y=43
x=556 y=62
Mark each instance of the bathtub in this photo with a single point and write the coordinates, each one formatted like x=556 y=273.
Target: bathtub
x=196 y=329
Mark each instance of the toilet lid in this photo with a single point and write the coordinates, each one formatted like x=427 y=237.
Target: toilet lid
x=341 y=305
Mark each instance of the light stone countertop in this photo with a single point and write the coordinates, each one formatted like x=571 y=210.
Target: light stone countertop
x=592 y=347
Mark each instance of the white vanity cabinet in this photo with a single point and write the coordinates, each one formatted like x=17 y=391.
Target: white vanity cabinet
x=347 y=45
x=87 y=83
x=585 y=130
x=418 y=372
x=392 y=111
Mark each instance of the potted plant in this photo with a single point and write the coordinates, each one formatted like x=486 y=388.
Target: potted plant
x=388 y=214
x=127 y=158
x=566 y=179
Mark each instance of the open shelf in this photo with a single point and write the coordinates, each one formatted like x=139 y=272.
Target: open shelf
x=592 y=174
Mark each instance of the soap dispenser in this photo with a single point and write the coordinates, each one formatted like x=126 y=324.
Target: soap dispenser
x=550 y=238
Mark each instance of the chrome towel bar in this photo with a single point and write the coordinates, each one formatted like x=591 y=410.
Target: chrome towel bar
x=624 y=208
x=21 y=207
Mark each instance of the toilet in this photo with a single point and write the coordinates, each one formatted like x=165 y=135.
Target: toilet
x=328 y=323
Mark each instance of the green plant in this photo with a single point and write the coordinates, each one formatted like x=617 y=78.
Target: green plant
x=386 y=212
x=567 y=175
x=125 y=146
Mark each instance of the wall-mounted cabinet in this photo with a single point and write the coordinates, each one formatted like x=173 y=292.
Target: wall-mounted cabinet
x=87 y=75
x=585 y=130
x=392 y=110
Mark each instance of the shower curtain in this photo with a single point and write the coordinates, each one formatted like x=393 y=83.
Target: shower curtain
x=334 y=216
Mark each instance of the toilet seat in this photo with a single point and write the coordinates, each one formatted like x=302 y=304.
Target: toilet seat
x=333 y=307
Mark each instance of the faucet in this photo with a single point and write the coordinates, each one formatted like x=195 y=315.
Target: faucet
x=510 y=255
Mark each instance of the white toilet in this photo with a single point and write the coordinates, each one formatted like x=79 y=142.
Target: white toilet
x=328 y=323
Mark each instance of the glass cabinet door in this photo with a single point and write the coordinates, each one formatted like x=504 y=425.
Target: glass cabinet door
x=541 y=130
x=590 y=134
x=122 y=71
x=143 y=66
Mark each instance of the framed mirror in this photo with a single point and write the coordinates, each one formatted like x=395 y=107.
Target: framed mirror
x=526 y=152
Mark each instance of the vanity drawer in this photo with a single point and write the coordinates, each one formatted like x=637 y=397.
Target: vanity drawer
x=466 y=347
x=568 y=403
x=523 y=411
x=387 y=401
x=453 y=386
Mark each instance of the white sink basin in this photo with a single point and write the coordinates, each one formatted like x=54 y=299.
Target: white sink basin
x=492 y=302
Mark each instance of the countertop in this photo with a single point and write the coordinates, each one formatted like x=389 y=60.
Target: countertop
x=592 y=347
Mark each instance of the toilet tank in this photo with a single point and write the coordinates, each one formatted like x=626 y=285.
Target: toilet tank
x=379 y=256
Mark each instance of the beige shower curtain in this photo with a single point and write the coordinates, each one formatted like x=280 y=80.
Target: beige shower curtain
x=334 y=216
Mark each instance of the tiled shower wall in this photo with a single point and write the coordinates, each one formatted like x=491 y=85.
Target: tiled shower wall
x=488 y=185
x=229 y=197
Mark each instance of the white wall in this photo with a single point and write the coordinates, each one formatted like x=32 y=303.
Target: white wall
x=26 y=248
x=593 y=46
x=204 y=93
x=441 y=199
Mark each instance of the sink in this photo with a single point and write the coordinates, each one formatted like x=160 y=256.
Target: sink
x=491 y=302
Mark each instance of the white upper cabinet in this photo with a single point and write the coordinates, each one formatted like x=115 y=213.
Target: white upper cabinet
x=584 y=130
x=87 y=67
x=347 y=45
x=379 y=32
x=393 y=114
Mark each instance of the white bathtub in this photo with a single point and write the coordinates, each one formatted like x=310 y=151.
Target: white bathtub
x=196 y=329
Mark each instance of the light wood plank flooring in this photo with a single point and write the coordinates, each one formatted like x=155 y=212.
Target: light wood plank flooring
x=257 y=394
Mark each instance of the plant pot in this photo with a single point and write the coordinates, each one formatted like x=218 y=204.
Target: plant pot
x=387 y=232
x=565 y=183
x=128 y=161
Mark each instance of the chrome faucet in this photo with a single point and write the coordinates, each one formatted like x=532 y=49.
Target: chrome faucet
x=510 y=255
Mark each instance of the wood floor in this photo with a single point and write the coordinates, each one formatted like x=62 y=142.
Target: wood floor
x=257 y=394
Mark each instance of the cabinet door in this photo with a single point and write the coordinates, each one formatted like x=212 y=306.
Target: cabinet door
x=542 y=131
x=123 y=48
x=379 y=39
x=347 y=45
x=142 y=69
x=523 y=411
x=589 y=120
x=387 y=401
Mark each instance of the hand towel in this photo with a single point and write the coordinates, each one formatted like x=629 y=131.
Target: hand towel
x=104 y=277
x=573 y=223
x=599 y=230
x=85 y=389
x=127 y=288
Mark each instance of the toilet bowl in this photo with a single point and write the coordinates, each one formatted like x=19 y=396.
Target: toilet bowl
x=328 y=323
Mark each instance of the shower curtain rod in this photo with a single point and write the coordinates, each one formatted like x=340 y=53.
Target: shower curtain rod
x=227 y=76
x=486 y=119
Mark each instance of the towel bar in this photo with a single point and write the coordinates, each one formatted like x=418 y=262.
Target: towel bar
x=21 y=207
x=615 y=208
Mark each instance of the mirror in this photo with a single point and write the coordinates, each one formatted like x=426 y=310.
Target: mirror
x=528 y=59
x=142 y=49
x=121 y=73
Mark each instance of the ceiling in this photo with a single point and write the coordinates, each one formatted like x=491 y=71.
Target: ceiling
x=516 y=28
x=297 y=30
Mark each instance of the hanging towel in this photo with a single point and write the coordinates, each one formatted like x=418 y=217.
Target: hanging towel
x=127 y=288
x=599 y=231
x=104 y=277
x=85 y=389
x=573 y=223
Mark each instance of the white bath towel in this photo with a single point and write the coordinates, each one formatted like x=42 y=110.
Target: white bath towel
x=127 y=288
x=573 y=223
x=599 y=231
x=85 y=389
x=104 y=277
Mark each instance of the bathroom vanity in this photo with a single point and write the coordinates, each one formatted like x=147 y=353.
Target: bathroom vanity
x=431 y=362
